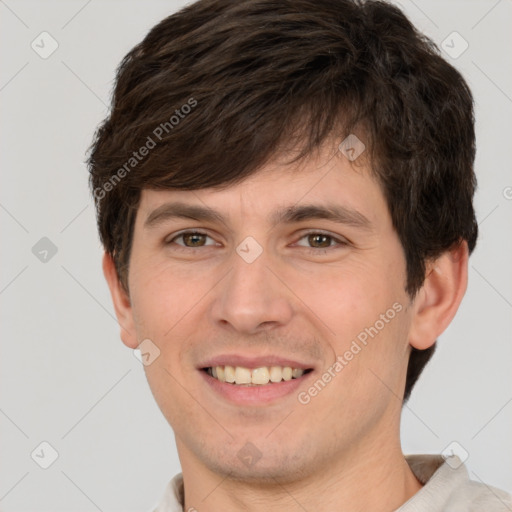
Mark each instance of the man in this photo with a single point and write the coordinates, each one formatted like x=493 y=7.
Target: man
x=284 y=193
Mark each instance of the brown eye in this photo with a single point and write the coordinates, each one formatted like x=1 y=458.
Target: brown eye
x=190 y=240
x=319 y=240
x=193 y=239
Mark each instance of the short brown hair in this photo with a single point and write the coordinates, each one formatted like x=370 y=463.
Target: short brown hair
x=217 y=89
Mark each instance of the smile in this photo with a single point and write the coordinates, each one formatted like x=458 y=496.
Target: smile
x=242 y=376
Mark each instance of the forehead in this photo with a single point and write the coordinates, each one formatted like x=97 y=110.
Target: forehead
x=278 y=193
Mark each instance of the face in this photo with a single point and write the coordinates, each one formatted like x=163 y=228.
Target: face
x=264 y=287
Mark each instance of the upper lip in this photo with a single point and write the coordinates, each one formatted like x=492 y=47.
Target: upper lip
x=253 y=362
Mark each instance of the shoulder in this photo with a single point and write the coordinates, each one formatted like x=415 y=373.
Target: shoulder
x=448 y=488
x=474 y=496
x=173 y=496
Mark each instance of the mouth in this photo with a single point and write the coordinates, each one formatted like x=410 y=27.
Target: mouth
x=261 y=376
x=254 y=381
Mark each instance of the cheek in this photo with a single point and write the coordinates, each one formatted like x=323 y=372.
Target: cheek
x=168 y=304
x=364 y=309
x=165 y=305
x=347 y=297
x=163 y=295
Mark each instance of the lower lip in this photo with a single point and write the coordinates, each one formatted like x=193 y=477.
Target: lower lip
x=255 y=395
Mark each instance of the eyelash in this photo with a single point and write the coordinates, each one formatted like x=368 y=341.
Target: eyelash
x=311 y=250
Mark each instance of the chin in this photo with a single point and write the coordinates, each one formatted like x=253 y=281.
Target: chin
x=270 y=469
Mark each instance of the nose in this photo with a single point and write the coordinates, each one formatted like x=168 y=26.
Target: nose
x=252 y=298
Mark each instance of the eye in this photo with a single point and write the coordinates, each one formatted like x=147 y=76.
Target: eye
x=319 y=240
x=315 y=241
x=190 y=239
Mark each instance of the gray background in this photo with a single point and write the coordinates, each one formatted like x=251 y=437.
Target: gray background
x=67 y=379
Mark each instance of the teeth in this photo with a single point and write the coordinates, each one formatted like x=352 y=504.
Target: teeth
x=229 y=373
x=276 y=374
x=242 y=375
x=296 y=373
x=287 y=373
x=258 y=376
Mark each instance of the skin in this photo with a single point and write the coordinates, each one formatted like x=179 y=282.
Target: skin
x=296 y=299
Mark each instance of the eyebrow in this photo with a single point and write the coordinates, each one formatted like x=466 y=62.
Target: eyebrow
x=288 y=215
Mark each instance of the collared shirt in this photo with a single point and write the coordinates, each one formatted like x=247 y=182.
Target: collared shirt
x=446 y=488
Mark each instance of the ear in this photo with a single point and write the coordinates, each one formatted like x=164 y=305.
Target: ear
x=121 y=301
x=439 y=298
